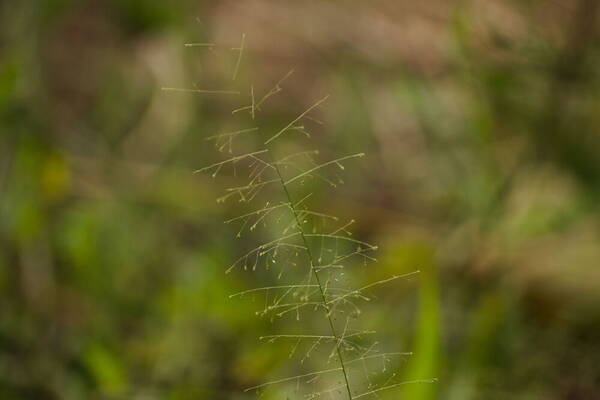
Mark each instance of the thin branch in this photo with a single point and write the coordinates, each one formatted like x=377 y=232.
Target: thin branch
x=231 y=134
x=209 y=45
x=336 y=161
x=173 y=89
x=230 y=160
x=276 y=89
x=269 y=288
x=239 y=59
x=309 y=109
x=432 y=380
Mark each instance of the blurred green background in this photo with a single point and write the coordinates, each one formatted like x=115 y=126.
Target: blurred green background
x=480 y=122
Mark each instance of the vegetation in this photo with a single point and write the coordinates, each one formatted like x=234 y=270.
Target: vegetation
x=310 y=255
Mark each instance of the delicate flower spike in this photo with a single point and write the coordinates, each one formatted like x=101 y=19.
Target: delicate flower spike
x=305 y=256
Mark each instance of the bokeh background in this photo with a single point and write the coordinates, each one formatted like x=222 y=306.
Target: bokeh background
x=480 y=123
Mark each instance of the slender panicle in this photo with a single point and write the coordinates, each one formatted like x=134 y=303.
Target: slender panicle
x=311 y=252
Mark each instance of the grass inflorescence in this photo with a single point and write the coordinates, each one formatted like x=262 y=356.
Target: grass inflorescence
x=309 y=251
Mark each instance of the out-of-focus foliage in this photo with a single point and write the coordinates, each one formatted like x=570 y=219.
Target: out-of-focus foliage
x=480 y=120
